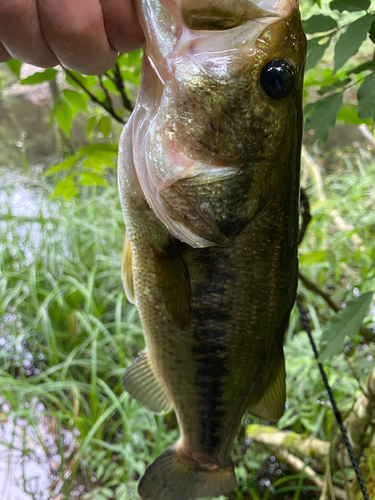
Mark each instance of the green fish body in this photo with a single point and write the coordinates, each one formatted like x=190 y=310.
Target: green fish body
x=209 y=182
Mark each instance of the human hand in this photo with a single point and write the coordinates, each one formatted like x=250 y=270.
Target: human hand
x=82 y=35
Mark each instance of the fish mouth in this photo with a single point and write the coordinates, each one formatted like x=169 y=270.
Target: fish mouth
x=212 y=15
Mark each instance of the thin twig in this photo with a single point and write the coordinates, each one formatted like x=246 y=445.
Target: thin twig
x=366 y=333
x=313 y=287
x=108 y=100
x=119 y=82
x=94 y=98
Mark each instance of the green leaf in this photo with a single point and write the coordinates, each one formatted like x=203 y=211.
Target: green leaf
x=15 y=66
x=99 y=155
x=91 y=122
x=110 y=86
x=64 y=118
x=345 y=323
x=76 y=100
x=105 y=126
x=331 y=259
x=323 y=116
x=98 y=148
x=312 y=257
x=39 y=77
x=350 y=41
x=350 y=115
x=315 y=50
x=66 y=188
x=366 y=98
x=132 y=59
x=319 y=24
x=129 y=76
x=100 y=96
x=350 y=5
x=91 y=179
x=64 y=165
x=96 y=164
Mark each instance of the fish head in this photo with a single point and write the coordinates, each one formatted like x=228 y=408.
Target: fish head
x=239 y=83
x=231 y=72
x=227 y=78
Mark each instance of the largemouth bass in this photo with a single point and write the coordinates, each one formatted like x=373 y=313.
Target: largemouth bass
x=209 y=181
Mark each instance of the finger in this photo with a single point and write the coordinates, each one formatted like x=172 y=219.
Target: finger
x=75 y=31
x=123 y=28
x=21 y=35
x=4 y=54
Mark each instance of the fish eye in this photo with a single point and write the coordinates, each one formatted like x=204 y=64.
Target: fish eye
x=277 y=79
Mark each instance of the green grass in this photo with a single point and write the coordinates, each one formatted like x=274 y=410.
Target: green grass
x=70 y=335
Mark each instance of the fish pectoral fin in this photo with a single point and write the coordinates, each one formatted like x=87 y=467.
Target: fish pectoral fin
x=272 y=404
x=127 y=270
x=143 y=384
x=206 y=203
x=173 y=281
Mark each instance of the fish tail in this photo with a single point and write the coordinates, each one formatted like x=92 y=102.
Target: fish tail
x=174 y=476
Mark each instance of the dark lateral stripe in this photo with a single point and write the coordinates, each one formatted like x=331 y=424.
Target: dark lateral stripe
x=211 y=374
x=210 y=347
x=210 y=350
x=205 y=314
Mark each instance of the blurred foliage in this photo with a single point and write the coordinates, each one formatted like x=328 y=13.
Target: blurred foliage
x=339 y=80
x=66 y=331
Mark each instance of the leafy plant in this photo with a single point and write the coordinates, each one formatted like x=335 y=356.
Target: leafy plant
x=345 y=33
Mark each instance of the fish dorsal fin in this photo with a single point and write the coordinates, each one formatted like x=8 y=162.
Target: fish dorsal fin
x=143 y=384
x=272 y=404
x=173 y=281
x=127 y=270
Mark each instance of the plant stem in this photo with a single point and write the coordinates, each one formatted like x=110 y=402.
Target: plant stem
x=119 y=82
x=104 y=105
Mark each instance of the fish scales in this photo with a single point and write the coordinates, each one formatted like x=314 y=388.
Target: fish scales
x=209 y=183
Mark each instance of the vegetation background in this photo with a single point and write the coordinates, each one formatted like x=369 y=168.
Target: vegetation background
x=67 y=429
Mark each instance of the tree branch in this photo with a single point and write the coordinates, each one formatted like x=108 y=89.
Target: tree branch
x=299 y=466
x=294 y=443
x=313 y=287
x=281 y=444
x=94 y=98
x=108 y=101
x=119 y=82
